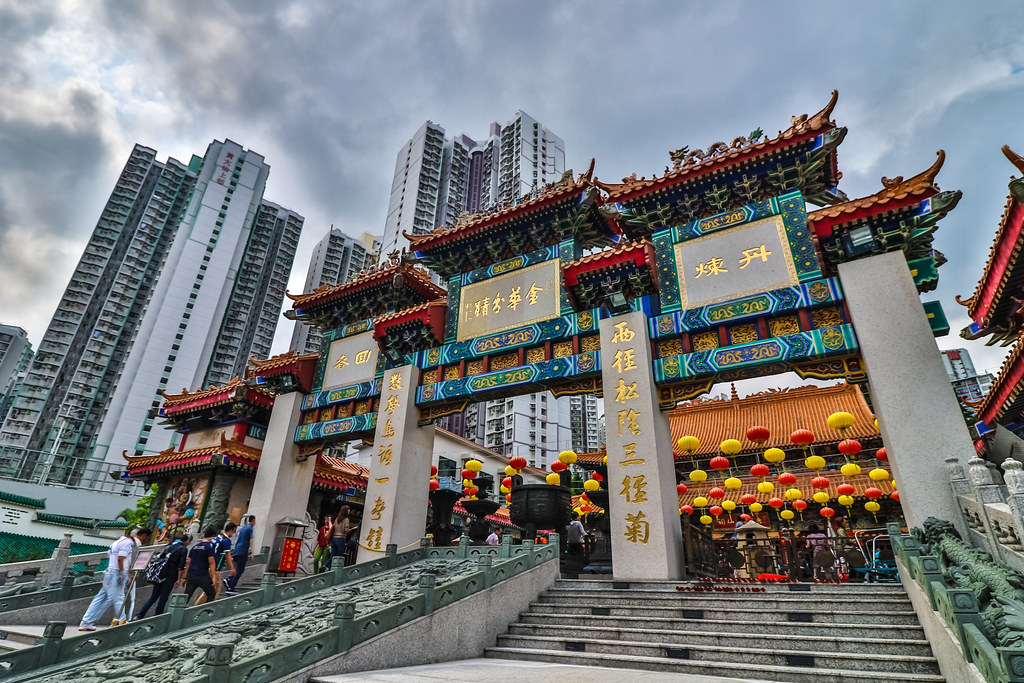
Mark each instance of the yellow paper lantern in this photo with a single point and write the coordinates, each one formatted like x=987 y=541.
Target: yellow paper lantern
x=732 y=483
x=872 y=507
x=815 y=462
x=786 y=514
x=505 y=489
x=591 y=485
x=467 y=482
x=554 y=479
x=775 y=455
x=794 y=494
x=731 y=446
x=700 y=501
x=509 y=470
x=705 y=520
x=820 y=497
x=688 y=444
x=755 y=507
x=604 y=460
x=728 y=505
x=698 y=476
x=850 y=469
x=568 y=457
x=846 y=501
x=474 y=465
x=765 y=487
x=878 y=474
x=841 y=421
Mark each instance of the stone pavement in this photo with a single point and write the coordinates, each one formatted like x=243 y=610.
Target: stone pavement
x=508 y=671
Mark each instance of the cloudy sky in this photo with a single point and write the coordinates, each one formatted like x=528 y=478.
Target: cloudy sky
x=329 y=91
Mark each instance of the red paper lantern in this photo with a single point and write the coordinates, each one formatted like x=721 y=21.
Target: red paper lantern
x=873 y=492
x=680 y=488
x=716 y=493
x=720 y=463
x=468 y=474
x=433 y=470
x=845 y=489
x=882 y=455
x=758 y=434
x=776 y=503
x=507 y=482
x=470 y=491
x=895 y=495
x=745 y=517
x=434 y=484
x=760 y=470
x=716 y=510
x=687 y=509
x=849 y=447
x=558 y=466
x=748 y=498
x=787 y=478
x=820 y=482
x=800 y=505
x=827 y=512
x=519 y=462
x=596 y=476
x=802 y=437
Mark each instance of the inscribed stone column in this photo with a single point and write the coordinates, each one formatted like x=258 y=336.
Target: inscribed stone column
x=918 y=413
x=282 y=485
x=399 y=479
x=642 y=500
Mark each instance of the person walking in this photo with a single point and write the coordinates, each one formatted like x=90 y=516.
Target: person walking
x=241 y=553
x=201 y=567
x=174 y=556
x=339 y=535
x=495 y=537
x=222 y=558
x=321 y=555
x=115 y=580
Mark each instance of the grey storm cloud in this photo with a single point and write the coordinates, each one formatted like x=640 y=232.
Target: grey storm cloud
x=329 y=91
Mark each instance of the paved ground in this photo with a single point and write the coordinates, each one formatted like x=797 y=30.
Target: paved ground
x=510 y=671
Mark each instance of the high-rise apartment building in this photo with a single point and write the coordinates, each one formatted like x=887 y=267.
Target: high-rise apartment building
x=585 y=419
x=438 y=177
x=176 y=288
x=967 y=383
x=15 y=355
x=535 y=426
x=336 y=258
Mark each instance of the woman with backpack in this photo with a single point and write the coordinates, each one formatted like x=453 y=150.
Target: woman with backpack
x=322 y=552
x=164 y=571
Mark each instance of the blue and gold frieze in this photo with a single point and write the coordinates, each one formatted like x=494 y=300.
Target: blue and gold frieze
x=344 y=426
x=319 y=399
x=768 y=352
x=806 y=295
x=509 y=265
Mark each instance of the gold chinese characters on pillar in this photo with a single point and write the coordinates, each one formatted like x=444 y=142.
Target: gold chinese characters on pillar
x=518 y=298
x=733 y=263
x=350 y=361
x=381 y=468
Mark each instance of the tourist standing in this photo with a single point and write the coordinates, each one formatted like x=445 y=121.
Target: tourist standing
x=495 y=537
x=174 y=556
x=241 y=553
x=322 y=552
x=115 y=580
x=222 y=557
x=576 y=535
x=339 y=535
x=201 y=567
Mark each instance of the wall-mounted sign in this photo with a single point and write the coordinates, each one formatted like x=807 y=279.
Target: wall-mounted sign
x=351 y=360
x=734 y=263
x=512 y=300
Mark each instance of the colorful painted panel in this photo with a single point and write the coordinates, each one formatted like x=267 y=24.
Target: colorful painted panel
x=183 y=505
x=319 y=399
x=502 y=267
x=767 y=352
x=335 y=428
x=504 y=302
x=815 y=293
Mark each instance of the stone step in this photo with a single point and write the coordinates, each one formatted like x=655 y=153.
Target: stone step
x=732 y=669
x=832 y=642
x=710 y=601
x=849 y=589
x=753 y=613
x=16 y=637
x=569 y=621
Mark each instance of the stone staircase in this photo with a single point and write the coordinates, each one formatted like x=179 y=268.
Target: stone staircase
x=789 y=632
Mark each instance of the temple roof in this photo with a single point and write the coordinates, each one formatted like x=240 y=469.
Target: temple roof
x=385 y=274
x=275 y=371
x=234 y=391
x=284 y=360
x=1004 y=402
x=698 y=163
x=629 y=268
x=229 y=452
x=782 y=411
x=334 y=472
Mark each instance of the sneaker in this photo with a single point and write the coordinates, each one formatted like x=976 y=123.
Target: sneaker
x=86 y=628
x=230 y=591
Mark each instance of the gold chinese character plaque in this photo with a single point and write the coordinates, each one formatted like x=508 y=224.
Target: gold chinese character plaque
x=350 y=361
x=518 y=298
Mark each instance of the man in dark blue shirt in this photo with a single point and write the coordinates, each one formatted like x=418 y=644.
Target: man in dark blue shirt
x=174 y=572
x=201 y=568
x=241 y=553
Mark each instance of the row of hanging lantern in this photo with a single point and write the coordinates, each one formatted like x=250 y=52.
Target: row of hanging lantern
x=715 y=502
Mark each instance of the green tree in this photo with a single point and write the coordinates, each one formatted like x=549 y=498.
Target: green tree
x=140 y=515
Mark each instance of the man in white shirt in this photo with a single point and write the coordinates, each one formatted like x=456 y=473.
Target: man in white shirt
x=115 y=578
x=495 y=537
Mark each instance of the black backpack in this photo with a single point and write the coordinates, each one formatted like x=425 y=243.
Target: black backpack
x=156 y=568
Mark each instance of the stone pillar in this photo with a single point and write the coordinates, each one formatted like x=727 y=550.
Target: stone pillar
x=986 y=491
x=58 y=566
x=642 y=500
x=282 y=485
x=1013 y=475
x=215 y=511
x=918 y=413
x=397 y=492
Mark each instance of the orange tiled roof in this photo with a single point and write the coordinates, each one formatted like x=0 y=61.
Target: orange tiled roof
x=1005 y=387
x=803 y=482
x=340 y=471
x=894 y=189
x=169 y=457
x=800 y=126
x=417 y=277
x=479 y=221
x=974 y=302
x=426 y=305
x=214 y=395
x=782 y=411
x=279 y=361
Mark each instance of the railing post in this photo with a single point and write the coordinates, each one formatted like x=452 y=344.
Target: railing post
x=267 y=585
x=426 y=543
x=391 y=555
x=484 y=564
x=1013 y=475
x=50 y=641
x=178 y=603
x=342 y=622
x=463 y=546
x=67 y=582
x=217 y=661
x=506 y=546
x=59 y=565
x=427 y=588
x=338 y=569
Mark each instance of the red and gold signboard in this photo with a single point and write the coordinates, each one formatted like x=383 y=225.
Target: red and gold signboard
x=290 y=555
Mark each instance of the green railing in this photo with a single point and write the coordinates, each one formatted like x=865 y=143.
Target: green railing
x=981 y=600
x=54 y=651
